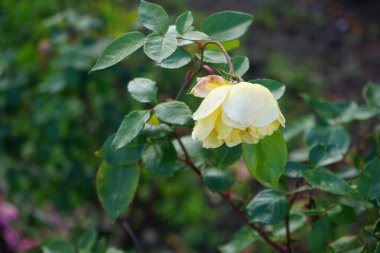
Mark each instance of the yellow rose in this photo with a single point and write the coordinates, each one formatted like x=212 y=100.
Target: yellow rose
x=234 y=113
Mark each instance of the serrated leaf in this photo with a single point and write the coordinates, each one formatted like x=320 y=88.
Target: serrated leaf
x=123 y=156
x=241 y=240
x=266 y=160
x=160 y=158
x=175 y=112
x=129 y=128
x=143 y=90
x=159 y=47
x=178 y=59
x=116 y=187
x=216 y=179
x=319 y=236
x=268 y=207
x=184 y=22
x=369 y=180
x=277 y=88
x=119 y=49
x=326 y=181
x=153 y=17
x=226 y=25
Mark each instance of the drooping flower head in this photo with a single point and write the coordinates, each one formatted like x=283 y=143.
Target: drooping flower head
x=234 y=113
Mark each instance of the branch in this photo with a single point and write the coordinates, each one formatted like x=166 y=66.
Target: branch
x=228 y=200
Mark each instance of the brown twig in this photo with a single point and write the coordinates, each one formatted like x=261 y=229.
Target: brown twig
x=228 y=200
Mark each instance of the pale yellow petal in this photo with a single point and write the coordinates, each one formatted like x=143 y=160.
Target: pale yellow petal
x=234 y=138
x=212 y=141
x=269 y=129
x=222 y=129
x=249 y=136
x=229 y=122
x=251 y=105
x=204 y=126
x=212 y=102
x=206 y=84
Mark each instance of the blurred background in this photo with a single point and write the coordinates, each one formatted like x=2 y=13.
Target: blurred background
x=55 y=115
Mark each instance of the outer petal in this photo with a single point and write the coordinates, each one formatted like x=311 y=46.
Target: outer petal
x=212 y=102
x=212 y=141
x=251 y=105
x=204 y=126
x=206 y=84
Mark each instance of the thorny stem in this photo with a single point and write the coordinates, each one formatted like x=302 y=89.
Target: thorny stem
x=227 y=199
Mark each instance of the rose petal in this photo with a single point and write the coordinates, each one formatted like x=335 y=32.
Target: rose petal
x=206 y=84
x=213 y=100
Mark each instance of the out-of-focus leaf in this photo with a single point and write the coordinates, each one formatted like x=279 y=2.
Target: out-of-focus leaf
x=143 y=90
x=241 y=240
x=346 y=244
x=87 y=241
x=123 y=156
x=184 y=22
x=319 y=236
x=216 y=179
x=226 y=156
x=277 y=88
x=159 y=47
x=226 y=25
x=294 y=169
x=57 y=246
x=342 y=214
x=194 y=149
x=153 y=17
x=321 y=155
x=240 y=64
x=129 y=128
x=325 y=180
x=296 y=221
x=175 y=112
x=371 y=94
x=160 y=157
x=268 y=207
x=298 y=126
x=369 y=180
x=119 y=49
x=116 y=187
x=178 y=59
x=266 y=160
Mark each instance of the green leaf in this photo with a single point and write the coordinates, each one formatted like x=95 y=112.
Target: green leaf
x=57 y=246
x=114 y=250
x=240 y=64
x=296 y=221
x=184 y=22
x=294 y=169
x=194 y=149
x=321 y=155
x=319 y=236
x=298 y=126
x=159 y=47
x=365 y=112
x=123 y=156
x=100 y=246
x=87 y=241
x=143 y=90
x=241 y=240
x=225 y=156
x=347 y=244
x=266 y=160
x=160 y=158
x=329 y=135
x=195 y=35
x=277 y=88
x=153 y=17
x=213 y=56
x=119 y=49
x=326 y=181
x=217 y=180
x=156 y=131
x=116 y=187
x=175 y=112
x=268 y=207
x=371 y=94
x=342 y=214
x=178 y=59
x=129 y=128
x=369 y=180
x=226 y=25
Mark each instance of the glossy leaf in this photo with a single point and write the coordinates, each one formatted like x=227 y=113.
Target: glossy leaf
x=156 y=130
x=129 y=128
x=326 y=181
x=277 y=88
x=266 y=160
x=160 y=158
x=153 y=17
x=216 y=179
x=119 y=49
x=321 y=155
x=175 y=112
x=319 y=236
x=123 y=156
x=346 y=244
x=369 y=180
x=213 y=56
x=226 y=25
x=184 y=22
x=195 y=35
x=143 y=90
x=268 y=207
x=116 y=187
x=241 y=240
x=159 y=47
x=178 y=59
